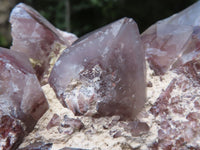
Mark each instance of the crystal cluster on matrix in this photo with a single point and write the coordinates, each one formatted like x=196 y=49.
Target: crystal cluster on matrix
x=34 y=36
x=21 y=97
x=173 y=44
x=174 y=41
x=103 y=72
x=66 y=125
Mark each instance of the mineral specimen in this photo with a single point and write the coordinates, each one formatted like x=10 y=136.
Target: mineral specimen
x=22 y=101
x=55 y=121
x=70 y=125
x=103 y=72
x=37 y=38
x=38 y=146
x=137 y=128
x=66 y=125
x=176 y=115
x=173 y=41
x=192 y=52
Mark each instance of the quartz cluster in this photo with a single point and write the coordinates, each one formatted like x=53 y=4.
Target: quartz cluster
x=103 y=72
x=66 y=125
x=173 y=44
x=22 y=101
x=174 y=41
x=38 y=39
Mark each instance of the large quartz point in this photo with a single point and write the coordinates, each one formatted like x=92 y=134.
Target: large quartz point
x=33 y=35
x=173 y=41
x=103 y=72
x=22 y=101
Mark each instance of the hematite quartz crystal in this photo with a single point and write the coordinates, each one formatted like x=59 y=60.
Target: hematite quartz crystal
x=22 y=101
x=103 y=72
x=38 y=39
x=174 y=41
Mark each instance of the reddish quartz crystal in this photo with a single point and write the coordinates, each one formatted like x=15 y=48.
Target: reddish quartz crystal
x=103 y=71
x=55 y=121
x=70 y=125
x=137 y=128
x=165 y=44
x=192 y=52
x=174 y=41
x=22 y=101
x=37 y=38
x=38 y=146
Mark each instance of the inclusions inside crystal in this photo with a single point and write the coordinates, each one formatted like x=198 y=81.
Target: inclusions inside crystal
x=103 y=72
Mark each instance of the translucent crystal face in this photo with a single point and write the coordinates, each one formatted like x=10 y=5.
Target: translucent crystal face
x=173 y=41
x=103 y=72
x=21 y=93
x=22 y=101
x=34 y=36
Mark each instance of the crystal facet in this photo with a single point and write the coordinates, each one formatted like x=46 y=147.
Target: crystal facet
x=173 y=41
x=192 y=52
x=37 y=38
x=55 y=121
x=103 y=71
x=70 y=125
x=22 y=101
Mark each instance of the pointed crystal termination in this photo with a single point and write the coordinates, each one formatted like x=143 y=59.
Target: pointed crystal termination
x=192 y=53
x=103 y=71
x=173 y=41
x=165 y=45
x=37 y=38
x=22 y=101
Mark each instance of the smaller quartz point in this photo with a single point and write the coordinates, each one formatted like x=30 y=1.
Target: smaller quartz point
x=55 y=121
x=70 y=125
x=103 y=72
x=192 y=52
x=137 y=128
x=22 y=101
x=33 y=35
x=38 y=146
x=173 y=41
